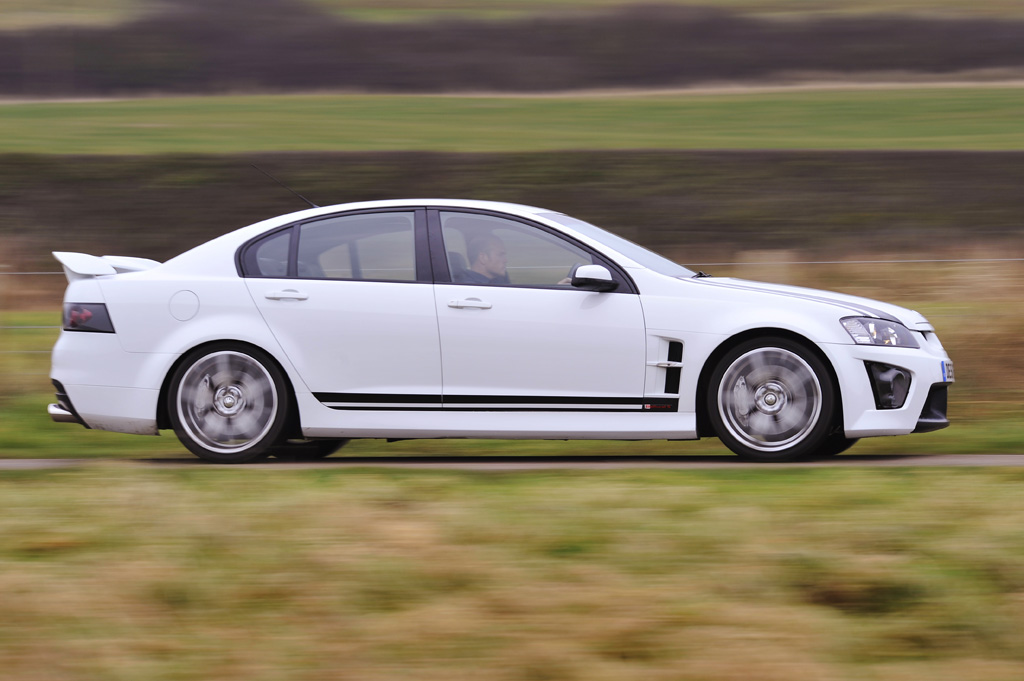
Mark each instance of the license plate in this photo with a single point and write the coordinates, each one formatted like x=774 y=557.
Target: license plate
x=947 y=371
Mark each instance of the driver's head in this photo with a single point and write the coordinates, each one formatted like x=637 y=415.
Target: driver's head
x=486 y=255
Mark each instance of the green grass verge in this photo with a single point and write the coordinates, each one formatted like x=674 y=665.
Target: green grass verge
x=33 y=14
x=30 y=14
x=965 y=118
x=118 y=572
x=406 y=10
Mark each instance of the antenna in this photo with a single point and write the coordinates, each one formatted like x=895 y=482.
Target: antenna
x=284 y=185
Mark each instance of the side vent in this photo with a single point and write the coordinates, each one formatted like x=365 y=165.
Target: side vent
x=672 y=373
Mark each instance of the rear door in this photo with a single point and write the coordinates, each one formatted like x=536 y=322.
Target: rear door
x=349 y=298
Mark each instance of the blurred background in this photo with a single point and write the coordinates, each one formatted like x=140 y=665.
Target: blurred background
x=869 y=147
x=874 y=147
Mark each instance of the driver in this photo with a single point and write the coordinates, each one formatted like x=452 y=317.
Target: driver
x=488 y=261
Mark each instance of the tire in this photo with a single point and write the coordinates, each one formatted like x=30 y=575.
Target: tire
x=306 y=450
x=228 y=403
x=770 y=399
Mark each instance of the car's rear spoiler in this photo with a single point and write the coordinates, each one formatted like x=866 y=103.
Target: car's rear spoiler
x=82 y=265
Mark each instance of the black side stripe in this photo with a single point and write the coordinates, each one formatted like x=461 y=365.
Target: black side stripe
x=378 y=398
x=392 y=402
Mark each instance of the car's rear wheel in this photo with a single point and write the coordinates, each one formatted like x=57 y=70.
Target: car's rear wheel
x=771 y=400
x=228 y=403
x=306 y=450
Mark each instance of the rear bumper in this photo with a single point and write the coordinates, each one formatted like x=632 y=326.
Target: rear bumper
x=121 y=410
x=103 y=387
x=61 y=415
x=64 y=411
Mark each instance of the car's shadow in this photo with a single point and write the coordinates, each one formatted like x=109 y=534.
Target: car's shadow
x=413 y=461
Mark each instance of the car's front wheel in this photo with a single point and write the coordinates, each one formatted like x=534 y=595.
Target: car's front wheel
x=771 y=400
x=228 y=403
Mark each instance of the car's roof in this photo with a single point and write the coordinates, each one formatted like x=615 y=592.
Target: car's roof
x=455 y=203
x=502 y=206
x=511 y=208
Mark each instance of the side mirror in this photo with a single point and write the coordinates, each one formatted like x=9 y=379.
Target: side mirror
x=593 y=278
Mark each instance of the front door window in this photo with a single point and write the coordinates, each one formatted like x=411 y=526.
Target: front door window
x=493 y=251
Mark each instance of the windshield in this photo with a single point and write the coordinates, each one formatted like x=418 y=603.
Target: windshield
x=638 y=254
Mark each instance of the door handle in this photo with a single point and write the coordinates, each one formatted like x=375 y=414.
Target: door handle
x=469 y=302
x=287 y=294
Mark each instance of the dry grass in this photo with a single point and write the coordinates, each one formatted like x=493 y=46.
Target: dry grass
x=117 y=572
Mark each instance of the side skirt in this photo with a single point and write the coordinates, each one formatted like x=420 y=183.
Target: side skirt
x=509 y=418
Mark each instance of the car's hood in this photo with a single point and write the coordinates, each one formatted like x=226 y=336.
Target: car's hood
x=851 y=305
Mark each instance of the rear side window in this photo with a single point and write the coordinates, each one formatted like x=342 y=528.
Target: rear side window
x=372 y=246
x=269 y=256
x=365 y=246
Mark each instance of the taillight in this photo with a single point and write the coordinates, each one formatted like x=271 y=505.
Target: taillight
x=87 y=317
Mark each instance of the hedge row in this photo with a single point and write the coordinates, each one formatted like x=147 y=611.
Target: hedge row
x=710 y=204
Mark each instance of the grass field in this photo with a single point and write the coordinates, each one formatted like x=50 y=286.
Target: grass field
x=29 y=14
x=975 y=118
x=405 y=10
x=117 y=572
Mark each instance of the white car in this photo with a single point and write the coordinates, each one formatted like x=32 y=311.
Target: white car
x=473 y=319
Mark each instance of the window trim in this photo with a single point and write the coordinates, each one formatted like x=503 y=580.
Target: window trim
x=423 y=261
x=439 y=256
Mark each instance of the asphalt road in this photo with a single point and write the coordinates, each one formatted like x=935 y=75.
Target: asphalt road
x=512 y=463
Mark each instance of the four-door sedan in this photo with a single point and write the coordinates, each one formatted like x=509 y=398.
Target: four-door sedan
x=473 y=319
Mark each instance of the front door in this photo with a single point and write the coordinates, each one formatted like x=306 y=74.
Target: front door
x=516 y=336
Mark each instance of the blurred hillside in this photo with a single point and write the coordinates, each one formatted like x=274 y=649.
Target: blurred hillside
x=196 y=46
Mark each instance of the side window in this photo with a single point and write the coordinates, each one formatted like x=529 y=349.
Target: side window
x=376 y=246
x=487 y=250
x=269 y=257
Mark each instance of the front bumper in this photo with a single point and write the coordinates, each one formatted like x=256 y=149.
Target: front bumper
x=924 y=409
x=933 y=416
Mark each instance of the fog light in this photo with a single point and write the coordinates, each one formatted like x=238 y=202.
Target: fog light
x=890 y=384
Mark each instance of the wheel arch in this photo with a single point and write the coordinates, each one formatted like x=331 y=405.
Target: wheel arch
x=704 y=427
x=163 y=418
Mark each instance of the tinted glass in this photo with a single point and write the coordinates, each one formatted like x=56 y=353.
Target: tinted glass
x=269 y=258
x=377 y=246
x=493 y=251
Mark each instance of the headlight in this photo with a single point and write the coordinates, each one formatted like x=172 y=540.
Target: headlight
x=871 y=331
